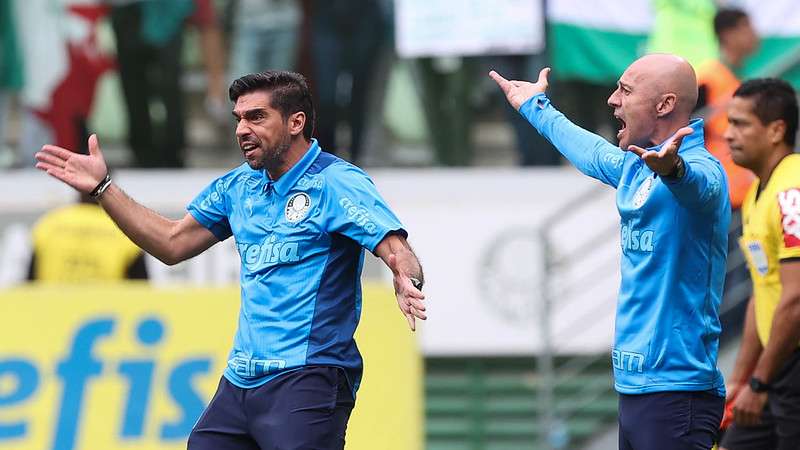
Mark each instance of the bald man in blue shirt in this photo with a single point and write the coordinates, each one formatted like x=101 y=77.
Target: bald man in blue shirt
x=674 y=209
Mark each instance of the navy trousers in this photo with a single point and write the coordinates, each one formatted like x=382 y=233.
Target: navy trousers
x=669 y=420
x=305 y=409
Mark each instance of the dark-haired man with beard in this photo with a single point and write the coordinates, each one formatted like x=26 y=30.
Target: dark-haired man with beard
x=301 y=218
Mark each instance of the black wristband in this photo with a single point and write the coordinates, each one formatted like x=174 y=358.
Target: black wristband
x=101 y=187
x=759 y=386
x=679 y=170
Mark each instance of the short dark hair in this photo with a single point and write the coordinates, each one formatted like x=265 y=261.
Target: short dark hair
x=773 y=99
x=728 y=19
x=289 y=93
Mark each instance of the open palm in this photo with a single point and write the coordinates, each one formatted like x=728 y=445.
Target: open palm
x=82 y=172
x=518 y=92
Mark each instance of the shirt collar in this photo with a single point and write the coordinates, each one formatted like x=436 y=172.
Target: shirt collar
x=290 y=178
x=696 y=139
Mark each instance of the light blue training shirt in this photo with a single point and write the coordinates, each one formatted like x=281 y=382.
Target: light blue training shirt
x=674 y=249
x=301 y=241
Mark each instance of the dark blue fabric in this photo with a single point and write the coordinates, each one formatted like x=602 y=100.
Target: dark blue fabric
x=338 y=298
x=323 y=160
x=221 y=230
x=669 y=420
x=306 y=409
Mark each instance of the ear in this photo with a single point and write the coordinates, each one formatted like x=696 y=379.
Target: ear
x=297 y=122
x=666 y=104
x=776 y=130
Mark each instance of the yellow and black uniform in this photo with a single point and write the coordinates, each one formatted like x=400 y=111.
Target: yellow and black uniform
x=771 y=235
x=80 y=243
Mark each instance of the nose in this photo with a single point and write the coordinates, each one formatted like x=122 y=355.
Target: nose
x=242 y=129
x=728 y=134
x=613 y=100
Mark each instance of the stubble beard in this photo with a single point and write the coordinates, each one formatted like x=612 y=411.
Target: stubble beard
x=273 y=157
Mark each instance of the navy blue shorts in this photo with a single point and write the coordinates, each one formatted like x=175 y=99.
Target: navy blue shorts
x=306 y=409
x=669 y=420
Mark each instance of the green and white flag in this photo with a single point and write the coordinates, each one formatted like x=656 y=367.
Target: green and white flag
x=778 y=24
x=595 y=41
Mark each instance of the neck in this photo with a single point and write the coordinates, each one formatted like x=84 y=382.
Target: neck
x=666 y=128
x=765 y=169
x=297 y=149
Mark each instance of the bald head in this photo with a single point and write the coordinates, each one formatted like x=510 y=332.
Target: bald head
x=668 y=74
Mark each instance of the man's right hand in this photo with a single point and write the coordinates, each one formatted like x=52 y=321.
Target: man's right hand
x=518 y=92
x=82 y=172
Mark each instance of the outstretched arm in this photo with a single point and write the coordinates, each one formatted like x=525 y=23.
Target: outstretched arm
x=588 y=152
x=171 y=241
x=398 y=256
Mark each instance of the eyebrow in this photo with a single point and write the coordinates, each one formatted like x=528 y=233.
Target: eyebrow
x=248 y=112
x=624 y=85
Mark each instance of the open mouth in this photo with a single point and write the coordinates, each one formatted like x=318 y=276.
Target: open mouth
x=622 y=125
x=248 y=148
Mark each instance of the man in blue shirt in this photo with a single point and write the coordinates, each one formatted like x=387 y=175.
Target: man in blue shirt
x=301 y=218
x=673 y=203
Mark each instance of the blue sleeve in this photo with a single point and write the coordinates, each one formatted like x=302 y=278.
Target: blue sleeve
x=211 y=208
x=354 y=208
x=702 y=186
x=588 y=152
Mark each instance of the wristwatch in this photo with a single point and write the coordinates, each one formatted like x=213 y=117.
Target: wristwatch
x=679 y=170
x=759 y=386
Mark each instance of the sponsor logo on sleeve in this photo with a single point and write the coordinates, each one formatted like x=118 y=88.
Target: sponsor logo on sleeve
x=358 y=215
x=614 y=160
x=789 y=202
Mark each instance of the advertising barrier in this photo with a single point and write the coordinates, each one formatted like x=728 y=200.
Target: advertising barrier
x=107 y=367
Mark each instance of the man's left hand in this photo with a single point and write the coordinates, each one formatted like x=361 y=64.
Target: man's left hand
x=748 y=407
x=409 y=298
x=664 y=161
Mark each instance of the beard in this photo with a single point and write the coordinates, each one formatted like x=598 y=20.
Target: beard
x=273 y=157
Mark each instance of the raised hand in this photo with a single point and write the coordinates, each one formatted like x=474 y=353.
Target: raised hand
x=664 y=161
x=82 y=172
x=518 y=92
x=409 y=298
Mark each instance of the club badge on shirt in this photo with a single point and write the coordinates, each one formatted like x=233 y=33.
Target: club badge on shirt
x=297 y=207
x=789 y=202
x=643 y=193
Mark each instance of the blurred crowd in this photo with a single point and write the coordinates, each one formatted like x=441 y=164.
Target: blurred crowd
x=168 y=63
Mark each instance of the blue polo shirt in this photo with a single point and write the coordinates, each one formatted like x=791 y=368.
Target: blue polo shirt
x=674 y=238
x=301 y=241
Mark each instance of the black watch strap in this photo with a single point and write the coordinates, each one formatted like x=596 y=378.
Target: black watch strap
x=759 y=386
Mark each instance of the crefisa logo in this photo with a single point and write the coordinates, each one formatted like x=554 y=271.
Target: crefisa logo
x=80 y=367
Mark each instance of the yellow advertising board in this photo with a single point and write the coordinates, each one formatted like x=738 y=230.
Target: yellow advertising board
x=107 y=367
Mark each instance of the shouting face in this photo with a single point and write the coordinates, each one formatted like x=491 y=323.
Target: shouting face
x=261 y=130
x=634 y=102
